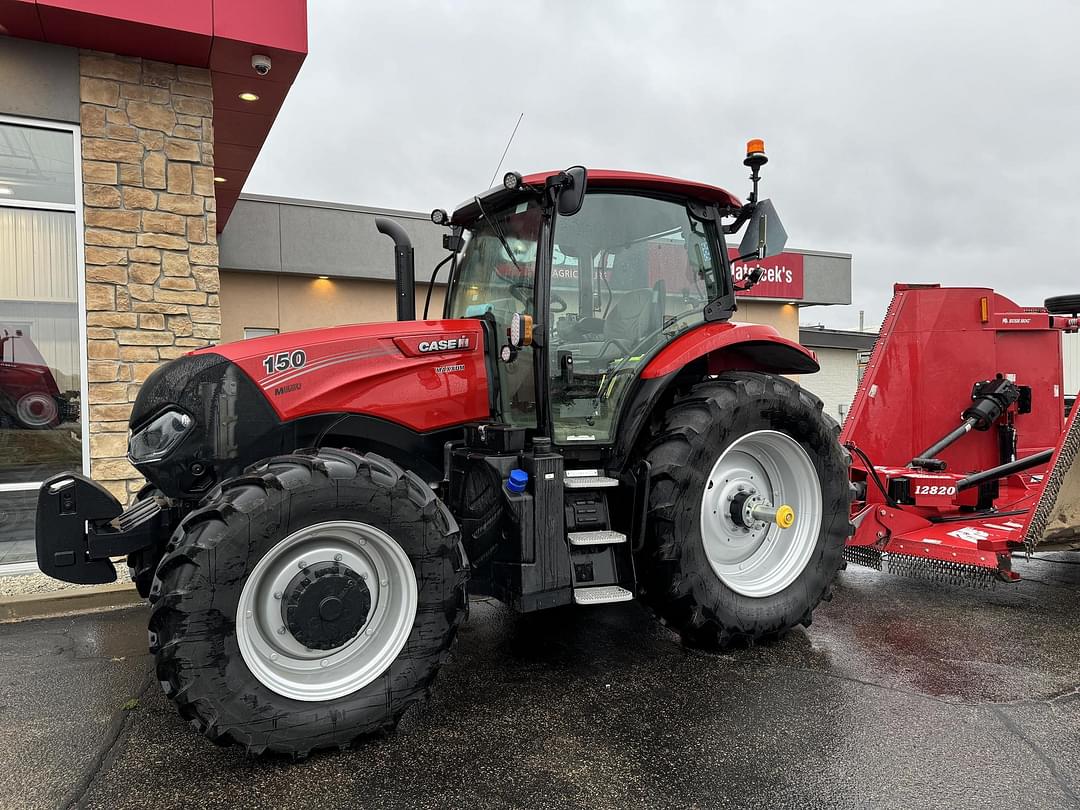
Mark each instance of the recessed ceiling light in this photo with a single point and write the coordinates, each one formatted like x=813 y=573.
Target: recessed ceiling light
x=219 y=179
x=248 y=96
x=6 y=190
x=324 y=278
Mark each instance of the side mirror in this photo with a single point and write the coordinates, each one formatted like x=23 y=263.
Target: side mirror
x=572 y=194
x=765 y=234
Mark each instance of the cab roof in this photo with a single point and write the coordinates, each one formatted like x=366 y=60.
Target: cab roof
x=607 y=179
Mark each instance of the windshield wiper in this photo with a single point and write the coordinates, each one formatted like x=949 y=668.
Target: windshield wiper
x=498 y=232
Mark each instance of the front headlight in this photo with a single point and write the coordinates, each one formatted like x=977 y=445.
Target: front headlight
x=157 y=439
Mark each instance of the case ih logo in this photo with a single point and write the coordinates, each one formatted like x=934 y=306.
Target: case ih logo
x=444 y=345
x=420 y=345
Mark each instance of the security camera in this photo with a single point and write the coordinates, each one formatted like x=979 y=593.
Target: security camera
x=260 y=63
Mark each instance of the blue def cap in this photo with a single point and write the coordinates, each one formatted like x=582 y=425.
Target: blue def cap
x=517 y=480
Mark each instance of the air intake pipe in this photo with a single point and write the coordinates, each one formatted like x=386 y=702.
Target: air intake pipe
x=404 y=271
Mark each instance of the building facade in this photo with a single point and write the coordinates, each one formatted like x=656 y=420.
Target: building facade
x=124 y=140
x=843 y=355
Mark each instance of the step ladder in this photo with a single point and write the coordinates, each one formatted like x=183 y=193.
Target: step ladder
x=602 y=565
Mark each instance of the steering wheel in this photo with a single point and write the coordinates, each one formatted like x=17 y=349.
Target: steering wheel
x=523 y=293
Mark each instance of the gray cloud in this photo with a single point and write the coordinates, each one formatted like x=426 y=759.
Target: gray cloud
x=933 y=141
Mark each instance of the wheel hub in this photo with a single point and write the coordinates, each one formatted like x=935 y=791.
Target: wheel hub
x=748 y=513
x=325 y=605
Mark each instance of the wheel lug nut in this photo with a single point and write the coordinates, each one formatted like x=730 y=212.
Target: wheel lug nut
x=337 y=558
x=273 y=656
x=363 y=542
x=277 y=594
x=302 y=564
x=384 y=582
x=324 y=663
x=281 y=630
x=364 y=575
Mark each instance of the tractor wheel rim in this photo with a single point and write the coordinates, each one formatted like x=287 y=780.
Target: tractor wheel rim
x=269 y=647
x=36 y=410
x=762 y=559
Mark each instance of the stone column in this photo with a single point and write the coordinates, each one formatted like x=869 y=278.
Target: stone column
x=150 y=236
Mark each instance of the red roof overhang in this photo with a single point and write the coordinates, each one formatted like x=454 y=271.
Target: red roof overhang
x=221 y=35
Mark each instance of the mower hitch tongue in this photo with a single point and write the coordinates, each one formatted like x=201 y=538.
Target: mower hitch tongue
x=982 y=489
x=583 y=424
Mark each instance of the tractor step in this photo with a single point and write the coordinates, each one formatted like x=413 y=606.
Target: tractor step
x=587 y=479
x=602 y=595
x=596 y=538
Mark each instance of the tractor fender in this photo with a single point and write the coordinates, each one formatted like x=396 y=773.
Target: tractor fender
x=733 y=347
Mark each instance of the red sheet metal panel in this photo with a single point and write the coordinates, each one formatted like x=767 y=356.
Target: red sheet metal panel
x=168 y=32
x=220 y=34
x=19 y=18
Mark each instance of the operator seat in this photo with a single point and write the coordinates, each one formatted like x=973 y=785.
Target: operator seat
x=633 y=316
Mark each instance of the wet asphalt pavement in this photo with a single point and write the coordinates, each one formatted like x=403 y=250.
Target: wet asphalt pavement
x=902 y=694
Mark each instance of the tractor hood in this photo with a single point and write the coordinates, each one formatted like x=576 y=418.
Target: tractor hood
x=423 y=375
x=225 y=407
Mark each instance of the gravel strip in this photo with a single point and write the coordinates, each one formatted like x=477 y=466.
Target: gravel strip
x=18 y=584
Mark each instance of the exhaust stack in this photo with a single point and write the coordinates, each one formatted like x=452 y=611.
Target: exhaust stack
x=404 y=272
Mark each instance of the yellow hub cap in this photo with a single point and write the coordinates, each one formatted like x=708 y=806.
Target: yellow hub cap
x=785 y=517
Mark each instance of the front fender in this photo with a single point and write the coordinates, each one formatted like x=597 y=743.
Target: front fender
x=733 y=347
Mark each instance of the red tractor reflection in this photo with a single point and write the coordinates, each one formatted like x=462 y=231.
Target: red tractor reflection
x=29 y=395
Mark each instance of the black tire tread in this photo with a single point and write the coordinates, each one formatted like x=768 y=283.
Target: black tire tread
x=227 y=508
x=1063 y=304
x=675 y=590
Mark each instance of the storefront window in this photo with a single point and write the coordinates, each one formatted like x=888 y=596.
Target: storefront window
x=41 y=337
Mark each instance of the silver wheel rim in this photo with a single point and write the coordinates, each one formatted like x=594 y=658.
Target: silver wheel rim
x=763 y=559
x=287 y=667
x=36 y=410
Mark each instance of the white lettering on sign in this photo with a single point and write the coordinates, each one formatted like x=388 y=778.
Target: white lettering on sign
x=969 y=534
x=444 y=345
x=926 y=489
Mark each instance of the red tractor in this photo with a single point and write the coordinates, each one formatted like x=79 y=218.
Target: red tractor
x=585 y=425
x=29 y=396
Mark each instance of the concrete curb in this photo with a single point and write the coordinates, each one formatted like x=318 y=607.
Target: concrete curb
x=58 y=603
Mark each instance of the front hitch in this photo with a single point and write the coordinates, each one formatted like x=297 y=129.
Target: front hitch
x=80 y=525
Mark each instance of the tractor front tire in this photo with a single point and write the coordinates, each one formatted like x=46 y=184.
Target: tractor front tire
x=307 y=603
x=714 y=579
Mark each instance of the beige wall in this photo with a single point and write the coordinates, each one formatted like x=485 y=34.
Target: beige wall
x=783 y=317
x=150 y=242
x=288 y=303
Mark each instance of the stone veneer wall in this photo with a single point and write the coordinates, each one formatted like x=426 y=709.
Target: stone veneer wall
x=150 y=236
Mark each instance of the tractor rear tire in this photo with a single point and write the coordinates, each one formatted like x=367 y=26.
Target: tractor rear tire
x=690 y=564
x=208 y=648
x=1063 y=305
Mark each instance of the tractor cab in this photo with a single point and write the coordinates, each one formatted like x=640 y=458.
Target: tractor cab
x=583 y=295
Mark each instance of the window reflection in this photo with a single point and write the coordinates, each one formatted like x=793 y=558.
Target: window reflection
x=36 y=165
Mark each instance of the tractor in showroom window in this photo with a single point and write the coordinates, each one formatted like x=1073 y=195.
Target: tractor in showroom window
x=586 y=424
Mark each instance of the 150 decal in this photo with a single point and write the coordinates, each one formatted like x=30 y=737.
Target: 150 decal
x=283 y=361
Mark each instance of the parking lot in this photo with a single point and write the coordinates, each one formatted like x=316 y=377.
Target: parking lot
x=902 y=694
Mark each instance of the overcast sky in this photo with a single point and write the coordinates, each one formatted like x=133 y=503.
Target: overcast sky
x=933 y=141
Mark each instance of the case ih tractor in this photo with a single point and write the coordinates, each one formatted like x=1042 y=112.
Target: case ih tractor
x=585 y=425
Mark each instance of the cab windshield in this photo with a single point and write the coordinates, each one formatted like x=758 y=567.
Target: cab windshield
x=496 y=274
x=628 y=274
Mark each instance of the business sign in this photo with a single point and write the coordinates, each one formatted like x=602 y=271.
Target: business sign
x=781 y=277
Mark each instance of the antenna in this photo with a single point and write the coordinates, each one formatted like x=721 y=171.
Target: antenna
x=507 y=149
